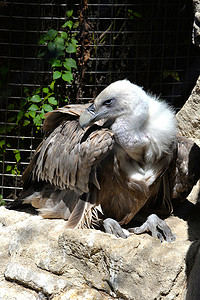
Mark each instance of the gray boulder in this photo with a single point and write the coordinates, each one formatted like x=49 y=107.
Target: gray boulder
x=41 y=260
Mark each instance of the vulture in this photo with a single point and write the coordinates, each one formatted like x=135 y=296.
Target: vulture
x=103 y=163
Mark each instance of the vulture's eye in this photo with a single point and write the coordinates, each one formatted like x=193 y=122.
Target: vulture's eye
x=108 y=102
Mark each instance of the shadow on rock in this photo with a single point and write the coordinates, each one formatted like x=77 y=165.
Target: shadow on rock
x=193 y=256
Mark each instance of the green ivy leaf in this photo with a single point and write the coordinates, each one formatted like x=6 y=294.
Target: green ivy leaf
x=26 y=122
x=74 y=42
x=42 y=112
x=52 y=101
x=41 y=53
x=26 y=90
x=59 y=40
x=71 y=48
x=33 y=107
x=68 y=24
x=8 y=168
x=42 y=115
x=51 y=46
x=2 y=143
x=47 y=107
x=70 y=63
x=50 y=35
x=2 y=202
x=23 y=102
x=60 y=47
x=17 y=155
x=37 y=120
x=69 y=13
x=45 y=90
x=76 y=24
x=56 y=75
x=19 y=115
x=55 y=63
x=42 y=40
x=56 y=49
x=52 y=85
x=67 y=76
x=64 y=35
x=35 y=99
x=37 y=91
x=60 y=50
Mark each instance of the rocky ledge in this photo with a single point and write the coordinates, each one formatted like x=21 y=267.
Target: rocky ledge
x=39 y=259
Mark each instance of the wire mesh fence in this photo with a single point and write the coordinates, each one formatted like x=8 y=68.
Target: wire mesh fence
x=145 y=41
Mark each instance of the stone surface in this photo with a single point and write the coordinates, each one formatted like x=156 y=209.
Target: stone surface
x=188 y=121
x=193 y=288
x=34 y=278
x=189 y=117
x=196 y=24
x=85 y=293
x=38 y=260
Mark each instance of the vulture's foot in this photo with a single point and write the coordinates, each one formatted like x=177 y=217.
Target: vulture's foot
x=111 y=226
x=157 y=227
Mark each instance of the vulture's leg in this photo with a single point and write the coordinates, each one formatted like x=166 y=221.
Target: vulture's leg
x=157 y=227
x=111 y=226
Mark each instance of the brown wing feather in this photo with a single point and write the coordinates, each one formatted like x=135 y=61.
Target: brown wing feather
x=53 y=119
x=66 y=157
x=66 y=161
x=68 y=112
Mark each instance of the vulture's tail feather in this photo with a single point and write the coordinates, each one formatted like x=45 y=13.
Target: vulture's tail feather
x=81 y=217
x=17 y=203
x=14 y=204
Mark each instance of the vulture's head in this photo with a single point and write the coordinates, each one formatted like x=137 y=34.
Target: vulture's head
x=119 y=99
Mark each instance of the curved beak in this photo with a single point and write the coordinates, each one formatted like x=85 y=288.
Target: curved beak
x=88 y=116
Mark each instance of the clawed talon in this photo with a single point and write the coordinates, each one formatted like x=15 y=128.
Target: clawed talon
x=157 y=227
x=111 y=226
x=154 y=224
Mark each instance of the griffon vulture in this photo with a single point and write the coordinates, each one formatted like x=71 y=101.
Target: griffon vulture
x=101 y=163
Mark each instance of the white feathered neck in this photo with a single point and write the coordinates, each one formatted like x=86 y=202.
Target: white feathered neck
x=148 y=124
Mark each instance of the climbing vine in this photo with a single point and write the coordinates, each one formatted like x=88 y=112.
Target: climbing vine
x=59 y=45
x=59 y=49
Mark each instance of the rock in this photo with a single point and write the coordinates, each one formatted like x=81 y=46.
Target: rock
x=34 y=278
x=125 y=268
x=10 y=290
x=82 y=293
x=37 y=261
x=189 y=117
x=193 y=288
x=196 y=24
